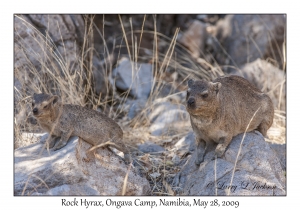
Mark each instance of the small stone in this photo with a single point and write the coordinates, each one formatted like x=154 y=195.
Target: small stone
x=166 y=117
x=136 y=77
x=176 y=159
x=155 y=175
x=195 y=38
x=187 y=143
x=136 y=107
x=151 y=148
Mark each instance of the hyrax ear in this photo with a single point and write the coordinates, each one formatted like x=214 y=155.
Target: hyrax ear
x=190 y=82
x=54 y=99
x=216 y=86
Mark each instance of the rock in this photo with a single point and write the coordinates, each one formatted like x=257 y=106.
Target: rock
x=43 y=39
x=194 y=38
x=27 y=48
x=280 y=150
x=267 y=78
x=165 y=89
x=151 y=148
x=73 y=190
x=202 y=17
x=67 y=172
x=155 y=175
x=101 y=69
x=166 y=117
x=186 y=144
x=137 y=78
x=176 y=160
x=258 y=170
x=29 y=138
x=67 y=25
x=135 y=107
x=244 y=38
x=210 y=18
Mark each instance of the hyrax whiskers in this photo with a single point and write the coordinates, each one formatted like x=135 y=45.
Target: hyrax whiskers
x=221 y=109
x=66 y=120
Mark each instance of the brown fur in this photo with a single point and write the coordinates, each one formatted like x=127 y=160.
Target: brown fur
x=66 y=120
x=221 y=109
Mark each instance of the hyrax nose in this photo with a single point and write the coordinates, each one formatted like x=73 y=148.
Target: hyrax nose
x=191 y=102
x=35 y=111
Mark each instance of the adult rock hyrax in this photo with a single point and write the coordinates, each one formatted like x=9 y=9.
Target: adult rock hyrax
x=224 y=108
x=66 y=120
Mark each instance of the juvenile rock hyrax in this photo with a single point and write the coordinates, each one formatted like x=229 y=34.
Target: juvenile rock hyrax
x=224 y=108
x=66 y=120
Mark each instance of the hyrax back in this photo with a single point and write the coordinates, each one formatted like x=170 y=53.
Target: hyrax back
x=66 y=120
x=224 y=108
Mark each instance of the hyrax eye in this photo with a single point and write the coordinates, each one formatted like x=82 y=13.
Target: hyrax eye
x=204 y=95
x=32 y=104
x=45 y=107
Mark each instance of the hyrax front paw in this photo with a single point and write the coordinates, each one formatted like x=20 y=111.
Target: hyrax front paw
x=199 y=161
x=220 y=150
x=127 y=158
x=59 y=145
x=200 y=158
x=52 y=142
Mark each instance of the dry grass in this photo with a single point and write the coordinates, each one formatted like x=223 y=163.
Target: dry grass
x=73 y=82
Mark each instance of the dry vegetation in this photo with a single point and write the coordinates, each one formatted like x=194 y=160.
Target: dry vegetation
x=75 y=87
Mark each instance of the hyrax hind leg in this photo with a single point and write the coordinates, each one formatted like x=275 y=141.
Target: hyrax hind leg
x=51 y=141
x=263 y=127
x=267 y=117
x=118 y=146
x=122 y=147
x=63 y=140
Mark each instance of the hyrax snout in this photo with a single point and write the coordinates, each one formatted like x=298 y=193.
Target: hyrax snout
x=221 y=109
x=66 y=120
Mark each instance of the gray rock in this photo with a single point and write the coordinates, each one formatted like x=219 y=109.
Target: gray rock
x=155 y=175
x=186 y=144
x=280 y=150
x=68 y=172
x=136 y=77
x=43 y=39
x=151 y=148
x=258 y=171
x=70 y=23
x=136 y=107
x=176 y=160
x=100 y=75
x=202 y=17
x=267 y=78
x=241 y=39
x=165 y=117
x=165 y=90
x=194 y=38
x=73 y=190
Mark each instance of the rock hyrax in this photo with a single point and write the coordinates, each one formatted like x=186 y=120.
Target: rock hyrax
x=66 y=120
x=223 y=108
